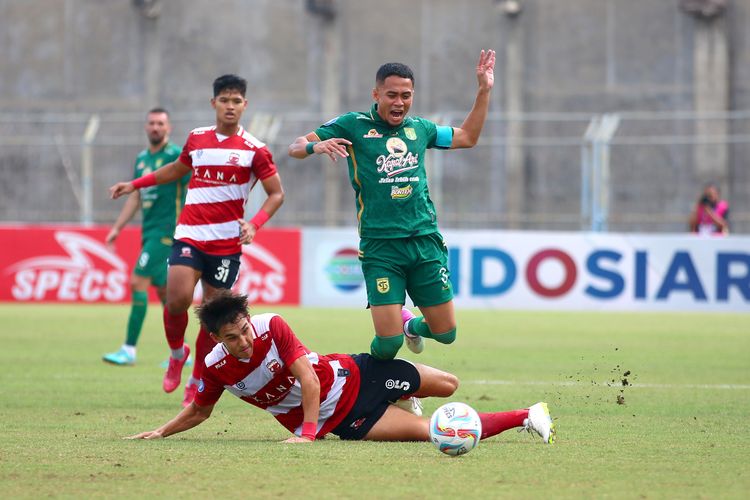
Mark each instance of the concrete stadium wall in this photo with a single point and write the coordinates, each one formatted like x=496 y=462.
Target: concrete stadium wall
x=573 y=56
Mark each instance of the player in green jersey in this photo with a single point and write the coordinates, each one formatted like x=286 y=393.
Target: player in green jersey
x=401 y=249
x=160 y=206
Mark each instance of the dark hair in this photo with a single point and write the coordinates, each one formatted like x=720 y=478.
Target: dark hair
x=222 y=309
x=157 y=110
x=393 y=69
x=230 y=82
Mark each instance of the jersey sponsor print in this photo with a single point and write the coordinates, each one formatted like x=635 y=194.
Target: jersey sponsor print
x=225 y=169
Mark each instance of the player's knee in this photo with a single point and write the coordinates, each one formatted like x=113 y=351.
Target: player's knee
x=447 y=337
x=386 y=347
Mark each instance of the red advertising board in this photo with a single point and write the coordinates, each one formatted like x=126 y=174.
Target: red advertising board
x=72 y=264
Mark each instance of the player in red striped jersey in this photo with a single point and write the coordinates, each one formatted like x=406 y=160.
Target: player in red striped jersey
x=260 y=360
x=226 y=162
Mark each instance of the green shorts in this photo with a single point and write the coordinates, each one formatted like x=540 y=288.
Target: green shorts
x=152 y=262
x=417 y=265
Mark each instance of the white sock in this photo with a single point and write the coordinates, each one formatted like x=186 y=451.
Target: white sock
x=178 y=353
x=129 y=349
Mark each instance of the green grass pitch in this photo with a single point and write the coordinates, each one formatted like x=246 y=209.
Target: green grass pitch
x=680 y=432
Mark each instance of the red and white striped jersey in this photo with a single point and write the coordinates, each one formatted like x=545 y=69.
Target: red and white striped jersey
x=266 y=382
x=224 y=171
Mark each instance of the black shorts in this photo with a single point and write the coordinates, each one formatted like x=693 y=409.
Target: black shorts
x=381 y=383
x=219 y=271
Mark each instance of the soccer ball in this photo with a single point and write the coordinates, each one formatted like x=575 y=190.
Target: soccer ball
x=455 y=429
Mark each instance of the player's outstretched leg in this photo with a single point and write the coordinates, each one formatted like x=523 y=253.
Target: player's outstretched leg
x=540 y=422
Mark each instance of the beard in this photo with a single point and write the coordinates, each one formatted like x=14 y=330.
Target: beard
x=155 y=140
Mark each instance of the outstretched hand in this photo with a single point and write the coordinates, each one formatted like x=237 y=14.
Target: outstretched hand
x=146 y=435
x=120 y=189
x=486 y=70
x=335 y=148
x=297 y=439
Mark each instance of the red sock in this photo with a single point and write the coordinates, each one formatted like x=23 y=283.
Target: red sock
x=495 y=423
x=203 y=345
x=174 y=328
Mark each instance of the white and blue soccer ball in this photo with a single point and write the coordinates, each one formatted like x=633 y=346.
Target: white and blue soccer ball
x=455 y=428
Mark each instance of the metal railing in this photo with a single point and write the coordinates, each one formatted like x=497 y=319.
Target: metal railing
x=572 y=171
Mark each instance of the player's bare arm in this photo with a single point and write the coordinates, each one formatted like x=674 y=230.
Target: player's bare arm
x=335 y=147
x=275 y=198
x=303 y=371
x=128 y=211
x=467 y=134
x=188 y=418
x=164 y=175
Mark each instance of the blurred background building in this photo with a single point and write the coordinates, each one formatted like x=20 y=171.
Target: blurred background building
x=607 y=114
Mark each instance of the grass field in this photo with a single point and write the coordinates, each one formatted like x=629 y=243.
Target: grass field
x=681 y=432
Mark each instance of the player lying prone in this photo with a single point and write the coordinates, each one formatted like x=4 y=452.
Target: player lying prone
x=260 y=360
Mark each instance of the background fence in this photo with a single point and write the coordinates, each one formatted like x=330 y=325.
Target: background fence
x=563 y=171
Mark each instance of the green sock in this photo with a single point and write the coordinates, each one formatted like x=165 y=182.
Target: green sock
x=418 y=326
x=137 y=315
x=386 y=347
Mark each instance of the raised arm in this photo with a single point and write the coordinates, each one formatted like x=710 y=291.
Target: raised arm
x=468 y=133
x=187 y=419
x=164 y=175
x=303 y=371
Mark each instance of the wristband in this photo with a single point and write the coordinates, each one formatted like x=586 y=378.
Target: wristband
x=309 y=147
x=259 y=219
x=309 y=429
x=145 y=181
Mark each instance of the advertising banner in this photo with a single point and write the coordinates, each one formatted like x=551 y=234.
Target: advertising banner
x=72 y=264
x=556 y=270
x=331 y=274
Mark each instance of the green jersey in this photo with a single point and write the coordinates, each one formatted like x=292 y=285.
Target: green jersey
x=160 y=204
x=386 y=170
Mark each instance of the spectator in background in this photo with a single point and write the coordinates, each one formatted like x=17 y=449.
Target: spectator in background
x=710 y=216
x=160 y=206
x=226 y=162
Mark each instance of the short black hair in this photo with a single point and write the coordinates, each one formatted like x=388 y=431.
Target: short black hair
x=393 y=69
x=157 y=110
x=222 y=309
x=230 y=82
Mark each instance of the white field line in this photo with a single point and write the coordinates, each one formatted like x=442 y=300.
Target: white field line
x=616 y=384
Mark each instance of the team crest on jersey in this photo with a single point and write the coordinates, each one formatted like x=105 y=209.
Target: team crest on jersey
x=411 y=134
x=383 y=285
x=273 y=366
x=372 y=134
x=234 y=159
x=159 y=162
x=199 y=153
x=186 y=252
